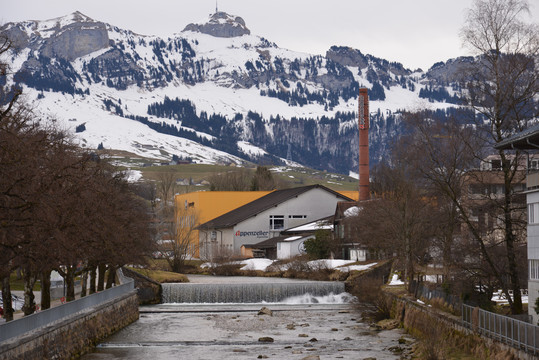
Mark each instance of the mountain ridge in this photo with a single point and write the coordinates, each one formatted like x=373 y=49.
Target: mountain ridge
x=240 y=95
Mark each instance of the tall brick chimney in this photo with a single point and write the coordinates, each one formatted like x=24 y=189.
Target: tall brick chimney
x=363 y=121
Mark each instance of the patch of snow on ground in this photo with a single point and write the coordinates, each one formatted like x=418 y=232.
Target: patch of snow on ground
x=250 y=149
x=256 y=264
x=395 y=280
x=133 y=175
x=279 y=169
x=355 y=267
x=328 y=263
x=353 y=211
x=500 y=299
x=262 y=264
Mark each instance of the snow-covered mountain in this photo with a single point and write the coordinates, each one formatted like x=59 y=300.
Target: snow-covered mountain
x=215 y=93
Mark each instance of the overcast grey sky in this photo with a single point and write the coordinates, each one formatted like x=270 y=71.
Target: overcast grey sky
x=416 y=33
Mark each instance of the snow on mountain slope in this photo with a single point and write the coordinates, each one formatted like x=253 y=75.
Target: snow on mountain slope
x=275 y=102
x=119 y=133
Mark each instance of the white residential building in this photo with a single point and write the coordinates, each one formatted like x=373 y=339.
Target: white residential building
x=265 y=218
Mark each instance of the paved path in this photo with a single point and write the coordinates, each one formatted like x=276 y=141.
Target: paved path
x=20 y=295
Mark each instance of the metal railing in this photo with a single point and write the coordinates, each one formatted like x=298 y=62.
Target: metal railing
x=28 y=323
x=516 y=333
x=429 y=294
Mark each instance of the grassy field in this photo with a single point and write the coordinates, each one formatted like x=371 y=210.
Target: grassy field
x=18 y=284
x=162 y=276
x=290 y=177
x=197 y=173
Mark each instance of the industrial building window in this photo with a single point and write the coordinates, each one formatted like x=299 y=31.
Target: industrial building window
x=276 y=222
x=533 y=213
x=297 y=216
x=534 y=269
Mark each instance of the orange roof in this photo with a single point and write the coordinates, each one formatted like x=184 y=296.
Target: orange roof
x=351 y=194
x=211 y=204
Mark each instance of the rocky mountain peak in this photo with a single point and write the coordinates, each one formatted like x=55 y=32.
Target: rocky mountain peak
x=77 y=16
x=221 y=24
x=67 y=37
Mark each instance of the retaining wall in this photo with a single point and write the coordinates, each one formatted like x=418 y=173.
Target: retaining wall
x=75 y=335
x=433 y=325
x=148 y=290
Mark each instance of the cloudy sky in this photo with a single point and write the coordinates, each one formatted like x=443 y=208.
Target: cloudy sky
x=416 y=33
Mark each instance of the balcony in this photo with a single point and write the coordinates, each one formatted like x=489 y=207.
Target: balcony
x=532 y=180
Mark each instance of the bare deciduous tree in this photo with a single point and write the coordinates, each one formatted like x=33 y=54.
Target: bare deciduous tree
x=502 y=86
x=399 y=218
x=60 y=208
x=235 y=180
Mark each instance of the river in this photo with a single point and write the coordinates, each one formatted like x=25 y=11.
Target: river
x=328 y=329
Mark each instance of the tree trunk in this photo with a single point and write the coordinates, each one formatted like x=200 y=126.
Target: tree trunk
x=6 y=299
x=83 y=284
x=92 y=279
x=70 y=283
x=111 y=276
x=29 y=306
x=102 y=268
x=45 y=290
x=410 y=272
x=513 y=269
x=516 y=306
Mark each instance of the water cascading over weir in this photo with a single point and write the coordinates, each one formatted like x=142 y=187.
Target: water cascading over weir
x=247 y=292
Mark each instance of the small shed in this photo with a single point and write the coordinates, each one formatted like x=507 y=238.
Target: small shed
x=279 y=247
x=292 y=246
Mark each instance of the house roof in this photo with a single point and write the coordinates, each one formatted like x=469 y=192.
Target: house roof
x=525 y=140
x=342 y=206
x=272 y=243
x=320 y=224
x=259 y=205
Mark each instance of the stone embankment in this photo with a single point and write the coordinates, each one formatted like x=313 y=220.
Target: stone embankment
x=74 y=335
x=148 y=290
x=443 y=330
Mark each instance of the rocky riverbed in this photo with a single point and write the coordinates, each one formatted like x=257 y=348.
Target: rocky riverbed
x=238 y=331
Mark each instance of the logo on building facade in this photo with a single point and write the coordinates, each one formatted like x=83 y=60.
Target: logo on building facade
x=258 y=234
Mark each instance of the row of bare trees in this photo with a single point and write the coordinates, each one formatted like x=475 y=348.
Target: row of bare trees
x=424 y=197
x=61 y=208
x=245 y=180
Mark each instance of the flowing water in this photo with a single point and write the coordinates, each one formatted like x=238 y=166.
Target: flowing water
x=246 y=292
x=321 y=323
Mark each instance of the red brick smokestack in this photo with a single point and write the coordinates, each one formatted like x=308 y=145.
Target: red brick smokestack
x=363 y=121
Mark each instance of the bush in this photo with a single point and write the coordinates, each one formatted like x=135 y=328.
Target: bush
x=320 y=246
x=369 y=291
x=300 y=268
x=227 y=269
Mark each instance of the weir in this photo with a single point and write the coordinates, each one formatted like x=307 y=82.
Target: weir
x=246 y=292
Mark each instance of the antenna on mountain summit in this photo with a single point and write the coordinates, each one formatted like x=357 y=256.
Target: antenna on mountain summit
x=216 y=8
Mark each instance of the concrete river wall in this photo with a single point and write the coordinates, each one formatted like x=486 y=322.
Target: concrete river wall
x=75 y=335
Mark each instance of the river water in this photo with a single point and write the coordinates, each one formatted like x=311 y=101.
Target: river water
x=297 y=329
